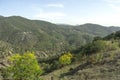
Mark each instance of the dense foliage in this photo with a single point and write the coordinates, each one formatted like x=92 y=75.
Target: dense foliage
x=24 y=67
x=45 y=37
x=66 y=58
x=18 y=35
x=115 y=35
x=98 y=45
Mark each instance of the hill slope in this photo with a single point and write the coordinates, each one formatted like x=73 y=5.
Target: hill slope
x=100 y=59
x=45 y=37
x=102 y=62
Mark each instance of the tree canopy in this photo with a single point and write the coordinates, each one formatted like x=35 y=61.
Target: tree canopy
x=66 y=58
x=24 y=67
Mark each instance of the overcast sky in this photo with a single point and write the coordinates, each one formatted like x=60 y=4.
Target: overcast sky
x=104 y=12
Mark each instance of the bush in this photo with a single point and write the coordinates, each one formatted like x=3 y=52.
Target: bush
x=66 y=58
x=5 y=74
x=24 y=67
x=94 y=47
x=49 y=67
x=112 y=45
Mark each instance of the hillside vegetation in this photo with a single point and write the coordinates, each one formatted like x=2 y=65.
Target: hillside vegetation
x=99 y=60
x=46 y=39
x=43 y=50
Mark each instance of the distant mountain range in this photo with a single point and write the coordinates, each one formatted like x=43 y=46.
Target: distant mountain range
x=20 y=34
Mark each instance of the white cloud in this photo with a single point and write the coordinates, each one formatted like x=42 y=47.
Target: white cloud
x=110 y=18
x=58 y=5
x=107 y=20
x=50 y=15
x=115 y=7
x=112 y=1
x=41 y=12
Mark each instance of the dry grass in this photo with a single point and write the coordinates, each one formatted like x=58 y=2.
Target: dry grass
x=106 y=67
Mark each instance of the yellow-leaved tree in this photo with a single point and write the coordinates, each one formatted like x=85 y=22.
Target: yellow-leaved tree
x=25 y=67
x=66 y=58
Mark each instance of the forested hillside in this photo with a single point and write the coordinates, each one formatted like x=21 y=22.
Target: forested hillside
x=19 y=34
x=98 y=60
x=57 y=52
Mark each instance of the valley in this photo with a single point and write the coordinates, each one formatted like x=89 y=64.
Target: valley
x=63 y=52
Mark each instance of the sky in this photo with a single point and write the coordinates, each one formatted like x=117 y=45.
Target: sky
x=74 y=12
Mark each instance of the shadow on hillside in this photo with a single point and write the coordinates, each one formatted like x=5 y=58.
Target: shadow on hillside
x=88 y=64
x=73 y=71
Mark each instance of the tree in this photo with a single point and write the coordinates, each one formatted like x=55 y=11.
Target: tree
x=97 y=38
x=24 y=67
x=66 y=58
x=94 y=47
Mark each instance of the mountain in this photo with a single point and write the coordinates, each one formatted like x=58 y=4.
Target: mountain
x=92 y=58
x=47 y=38
x=98 y=60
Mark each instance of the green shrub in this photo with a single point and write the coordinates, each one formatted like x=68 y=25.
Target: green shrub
x=66 y=58
x=49 y=67
x=99 y=57
x=95 y=46
x=111 y=45
x=5 y=74
x=24 y=67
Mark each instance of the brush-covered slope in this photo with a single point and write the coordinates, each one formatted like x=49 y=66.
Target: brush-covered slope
x=45 y=37
x=99 y=60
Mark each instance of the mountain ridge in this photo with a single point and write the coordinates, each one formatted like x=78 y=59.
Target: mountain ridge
x=36 y=35
x=93 y=54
